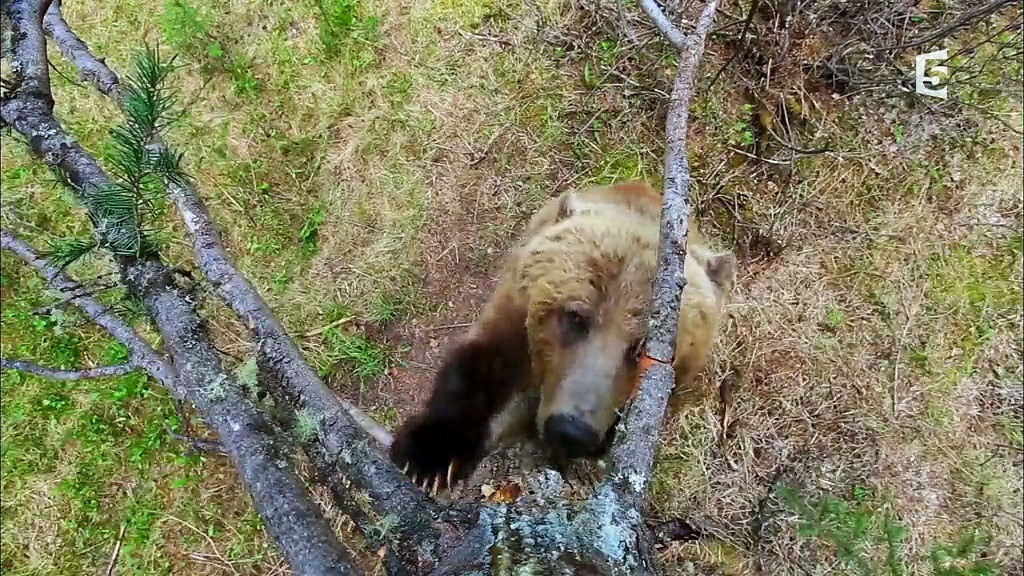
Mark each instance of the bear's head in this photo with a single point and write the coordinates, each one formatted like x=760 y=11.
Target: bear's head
x=558 y=346
x=585 y=281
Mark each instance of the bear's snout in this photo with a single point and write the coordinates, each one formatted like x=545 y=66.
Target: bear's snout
x=570 y=437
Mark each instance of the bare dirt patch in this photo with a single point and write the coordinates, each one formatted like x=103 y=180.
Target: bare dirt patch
x=456 y=284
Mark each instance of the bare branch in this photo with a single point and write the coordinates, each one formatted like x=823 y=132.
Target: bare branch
x=294 y=522
x=342 y=446
x=272 y=339
x=742 y=38
x=92 y=69
x=964 y=20
x=140 y=353
x=279 y=496
x=668 y=30
x=633 y=452
x=28 y=62
x=57 y=374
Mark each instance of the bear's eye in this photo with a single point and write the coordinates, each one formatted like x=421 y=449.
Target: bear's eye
x=575 y=325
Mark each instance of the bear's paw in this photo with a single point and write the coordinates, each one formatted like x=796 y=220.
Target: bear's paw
x=436 y=452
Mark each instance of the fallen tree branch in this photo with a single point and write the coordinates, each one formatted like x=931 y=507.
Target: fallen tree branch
x=292 y=520
x=28 y=51
x=90 y=68
x=342 y=449
x=140 y=353
x=633 y=452
x=342 y=425
x=58 y=374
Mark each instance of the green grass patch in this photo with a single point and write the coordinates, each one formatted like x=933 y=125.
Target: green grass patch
x=867 y=537
x=359 y=355
x=83 y=459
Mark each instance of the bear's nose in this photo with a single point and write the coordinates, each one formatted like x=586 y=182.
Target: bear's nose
x=570 y=437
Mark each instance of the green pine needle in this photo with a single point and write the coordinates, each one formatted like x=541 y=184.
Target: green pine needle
x=113 y=211
x=137 y=168
x=63 y=252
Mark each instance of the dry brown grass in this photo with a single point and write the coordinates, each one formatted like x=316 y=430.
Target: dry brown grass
x=860 y=365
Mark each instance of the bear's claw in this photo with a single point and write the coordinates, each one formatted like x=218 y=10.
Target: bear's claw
x=451 y=472
x=441 y=482
x=435 y=452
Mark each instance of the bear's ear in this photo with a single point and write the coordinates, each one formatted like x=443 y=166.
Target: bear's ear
x=568 y=204
x=721 y=269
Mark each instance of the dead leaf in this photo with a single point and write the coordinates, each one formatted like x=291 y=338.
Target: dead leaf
x=503 y=493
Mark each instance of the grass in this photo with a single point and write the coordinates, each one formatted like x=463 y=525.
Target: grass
x=868 y=540
x=84 y=461
x=369 y=162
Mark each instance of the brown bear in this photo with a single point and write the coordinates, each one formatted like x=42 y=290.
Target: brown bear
x=555 y=353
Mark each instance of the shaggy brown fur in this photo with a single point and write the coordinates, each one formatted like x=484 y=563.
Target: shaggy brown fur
x=568 y=321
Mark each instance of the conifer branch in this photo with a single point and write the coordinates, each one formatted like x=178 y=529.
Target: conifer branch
x=342 y=451
x=291 y=518
x=63 y=252
x=167 y=163
x=279 y=354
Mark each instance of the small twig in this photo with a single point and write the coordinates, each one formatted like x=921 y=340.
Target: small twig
x=743 y=39
x=213 y=545
x=64 y=76
x=963 y=20
x=1008 y=447
x=196 y=444
x=323 y=329
x=761 y=158
x=451 y=326
x=792 y=148
x=57 y=374
x=80 y=291
x=117 y=550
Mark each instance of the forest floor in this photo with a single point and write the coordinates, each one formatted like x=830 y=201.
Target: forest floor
x=370 y=162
